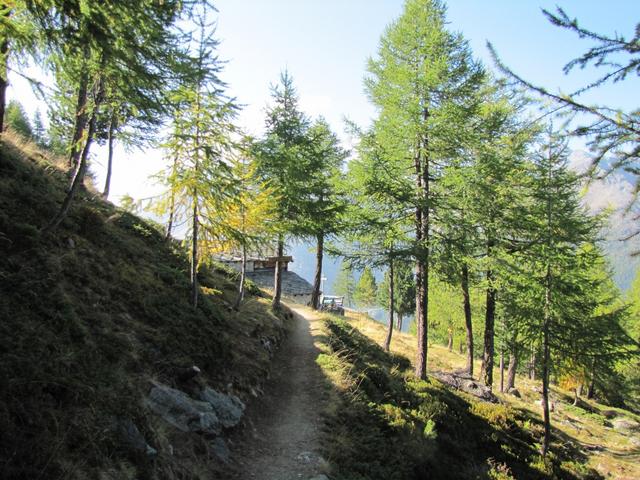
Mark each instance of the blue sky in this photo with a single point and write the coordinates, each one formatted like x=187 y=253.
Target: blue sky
x=325 y=45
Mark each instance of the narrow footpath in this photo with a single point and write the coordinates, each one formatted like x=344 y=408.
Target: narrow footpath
x=282 y=438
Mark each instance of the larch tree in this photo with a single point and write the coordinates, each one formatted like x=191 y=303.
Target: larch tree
x=135 y=42
x=610 y=132
x=324 y=199
x=404 y=291
x=561 y=227
x=283 y=160
x=377 y=224
x=200 y=176
x=247 y=220
x=498 y=200
x=420 y=82
x=20 y=40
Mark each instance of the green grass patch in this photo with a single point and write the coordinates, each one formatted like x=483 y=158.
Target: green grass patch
x=384 y=423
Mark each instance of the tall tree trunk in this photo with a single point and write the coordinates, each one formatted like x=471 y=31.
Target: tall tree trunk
x=194 y=250
x=277 y=281
x=489 y=326
x=317 y=279
x=450 y=339
x=501 y=371
x=532 y=365
x=4 y=74
x=243 y=274
x=387 y=341
x=422 y=238
x=545 y=364
x=111 y=141
x=399 y=322
x=81 y=116
x=591 y=390
x=80 y=167
x=511 y=371
x=466 y=302
x=172 y=203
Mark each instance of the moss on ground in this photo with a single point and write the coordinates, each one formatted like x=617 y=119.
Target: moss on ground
x=92 y=314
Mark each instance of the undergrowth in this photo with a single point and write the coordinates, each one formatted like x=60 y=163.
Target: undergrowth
x=384 y=423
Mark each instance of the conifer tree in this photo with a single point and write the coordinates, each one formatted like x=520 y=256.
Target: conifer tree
x=17 y=119
x=366 y=289
x=404 y=291
x=345 y=283
x=421 y=81
x=377 y=226
x=200 y=179
x=561 y=226
x=92 y=43
x=284 y=161
x=323 y=203
x=39 y=131
x=247 y=219
x=610 y=132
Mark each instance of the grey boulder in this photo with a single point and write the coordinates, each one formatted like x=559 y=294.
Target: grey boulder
x=182 y=411
x=228 y=408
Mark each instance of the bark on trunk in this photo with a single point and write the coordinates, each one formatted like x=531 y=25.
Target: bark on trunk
x=501 y=371
x=489 y=327
x=80 y=167
x=277 y=281
x=81 y=117
x=317 y=279
x=422 y=262
x=4 y=82
x=591 y=390
x=399 y=323
x=194 y=250
x=545 y=365
x=243 y=274
x=511 y=371
x=466 y=301
x=387 y=341
x=111 y=141
x=450 y=340
x=172 y=204
x=532 y=365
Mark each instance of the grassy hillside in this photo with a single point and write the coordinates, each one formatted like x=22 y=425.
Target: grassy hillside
x=89 y=317
x=383 y=423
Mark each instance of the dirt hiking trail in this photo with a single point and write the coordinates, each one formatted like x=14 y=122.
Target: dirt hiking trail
x=281 y=440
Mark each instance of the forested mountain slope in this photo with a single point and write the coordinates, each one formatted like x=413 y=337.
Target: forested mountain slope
x=95 y=317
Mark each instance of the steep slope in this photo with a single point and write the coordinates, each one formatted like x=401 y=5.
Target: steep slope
x=91 y=318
